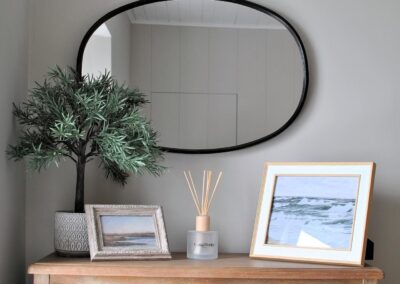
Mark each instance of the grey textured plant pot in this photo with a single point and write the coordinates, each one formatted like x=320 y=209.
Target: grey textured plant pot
x=70 y=234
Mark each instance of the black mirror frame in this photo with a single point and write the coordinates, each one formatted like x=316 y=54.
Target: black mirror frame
x=240 y=2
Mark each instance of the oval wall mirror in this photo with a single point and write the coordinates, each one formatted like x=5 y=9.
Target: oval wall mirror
x=219 y=75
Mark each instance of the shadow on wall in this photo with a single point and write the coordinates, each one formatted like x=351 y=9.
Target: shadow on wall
x=385 y=231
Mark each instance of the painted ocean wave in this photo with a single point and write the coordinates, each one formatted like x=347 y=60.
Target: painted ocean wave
x=328 y=220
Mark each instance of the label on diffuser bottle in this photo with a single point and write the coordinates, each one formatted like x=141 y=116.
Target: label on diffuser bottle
x=203 y=245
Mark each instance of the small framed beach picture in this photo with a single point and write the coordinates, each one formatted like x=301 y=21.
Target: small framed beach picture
x=314 y=212
x=126 y=232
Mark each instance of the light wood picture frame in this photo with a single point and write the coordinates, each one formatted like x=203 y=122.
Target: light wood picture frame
x=123 y=232
x=314 y=212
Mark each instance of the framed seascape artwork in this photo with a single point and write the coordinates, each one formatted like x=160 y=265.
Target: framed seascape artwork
x=126 y=232
x=314 y=212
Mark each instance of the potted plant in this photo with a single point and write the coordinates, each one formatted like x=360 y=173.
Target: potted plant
x=80 y=118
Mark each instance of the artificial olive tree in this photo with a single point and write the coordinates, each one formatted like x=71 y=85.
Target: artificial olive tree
x=81 y=118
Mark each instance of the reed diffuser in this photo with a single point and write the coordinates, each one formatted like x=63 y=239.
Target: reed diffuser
x=202 y=243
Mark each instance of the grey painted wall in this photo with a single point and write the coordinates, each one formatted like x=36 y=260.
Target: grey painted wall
x=352 y=114
x=13 y=78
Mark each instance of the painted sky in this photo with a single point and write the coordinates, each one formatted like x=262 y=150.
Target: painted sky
x=317 y=186
x=117 y=224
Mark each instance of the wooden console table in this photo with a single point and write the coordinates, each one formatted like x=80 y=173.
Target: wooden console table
x=229 y=268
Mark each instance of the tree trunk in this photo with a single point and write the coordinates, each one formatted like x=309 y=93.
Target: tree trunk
x=80 y=185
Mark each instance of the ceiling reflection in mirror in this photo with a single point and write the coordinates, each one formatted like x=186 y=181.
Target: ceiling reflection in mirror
x=217 y=74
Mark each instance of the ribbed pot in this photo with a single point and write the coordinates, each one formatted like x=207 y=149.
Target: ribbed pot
x=70 y=234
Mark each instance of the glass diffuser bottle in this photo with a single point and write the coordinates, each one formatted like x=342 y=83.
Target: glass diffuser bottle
x=202 y=243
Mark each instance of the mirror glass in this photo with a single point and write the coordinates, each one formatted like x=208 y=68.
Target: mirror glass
x=217 y=74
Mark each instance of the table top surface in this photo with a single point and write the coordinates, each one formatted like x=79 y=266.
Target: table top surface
x=226 y=266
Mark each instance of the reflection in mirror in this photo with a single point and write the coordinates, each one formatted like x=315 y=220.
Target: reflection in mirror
x=98 y=52
x=217 y=74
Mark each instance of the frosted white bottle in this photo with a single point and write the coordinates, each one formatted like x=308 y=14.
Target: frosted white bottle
x=202 y=243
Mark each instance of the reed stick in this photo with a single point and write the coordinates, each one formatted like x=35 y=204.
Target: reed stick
x=193 y=193
x=202 y=193
x=215 y=188
x=209 y=176
x=194 y=188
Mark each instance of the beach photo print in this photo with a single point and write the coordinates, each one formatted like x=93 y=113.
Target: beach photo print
x=313 y=212
x=137 y=232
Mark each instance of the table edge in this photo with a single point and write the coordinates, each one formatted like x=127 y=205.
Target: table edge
x=233 y=272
